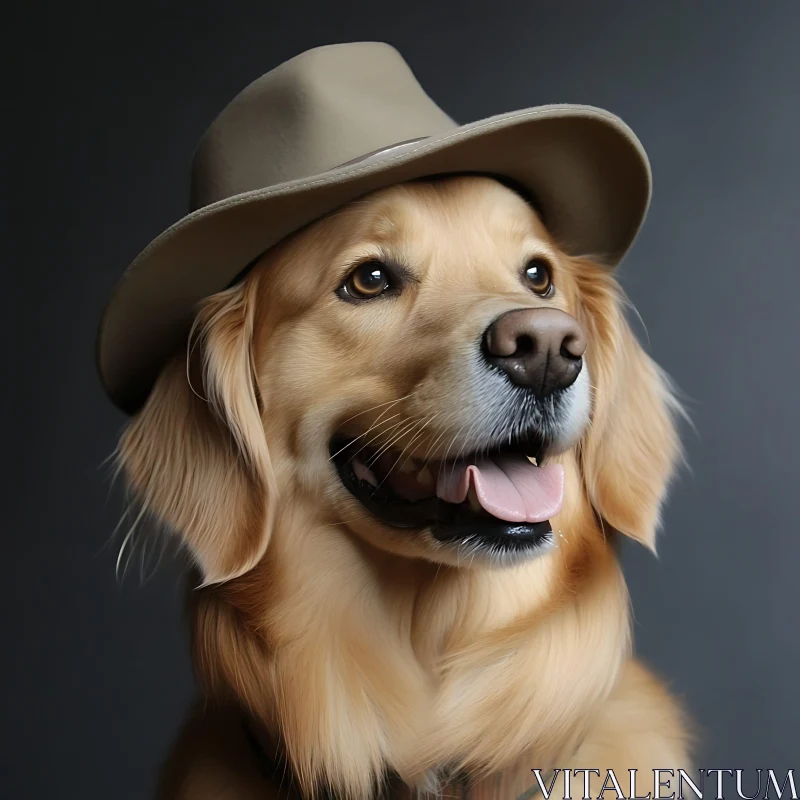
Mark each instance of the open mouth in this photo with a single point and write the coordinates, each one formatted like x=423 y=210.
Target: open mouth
x=502 y=498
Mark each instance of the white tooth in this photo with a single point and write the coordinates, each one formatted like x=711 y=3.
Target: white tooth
x=425 y=477
x=532 y=460
x=472 y=498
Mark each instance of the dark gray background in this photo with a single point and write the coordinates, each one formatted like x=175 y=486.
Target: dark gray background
x=103 y=106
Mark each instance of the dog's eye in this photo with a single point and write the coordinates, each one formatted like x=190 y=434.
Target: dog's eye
x=366 y=281
x=538 y=276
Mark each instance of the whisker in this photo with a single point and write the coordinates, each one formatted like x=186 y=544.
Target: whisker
x=422 y=432
x=385 y=477
x=461 y=449
x=406 y=429
x=362 y=518
x=447 y=452
x=433 y=444
x=378 y=421
x=361 y=436
x=373 y=408
x=368 y=443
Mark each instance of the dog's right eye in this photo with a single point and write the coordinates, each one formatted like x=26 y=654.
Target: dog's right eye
x=366 y=281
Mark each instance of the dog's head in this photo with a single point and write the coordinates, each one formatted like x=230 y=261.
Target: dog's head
x=425 y=369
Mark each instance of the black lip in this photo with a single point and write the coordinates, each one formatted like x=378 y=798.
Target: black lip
x=448 y=522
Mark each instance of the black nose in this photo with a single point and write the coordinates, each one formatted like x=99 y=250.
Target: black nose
x=540 y=349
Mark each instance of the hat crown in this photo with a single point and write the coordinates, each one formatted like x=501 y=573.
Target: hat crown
x=315 y=112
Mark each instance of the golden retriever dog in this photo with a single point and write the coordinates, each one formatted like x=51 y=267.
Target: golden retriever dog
x=400 y=452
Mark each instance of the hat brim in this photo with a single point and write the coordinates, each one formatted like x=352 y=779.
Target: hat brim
x=585 y=167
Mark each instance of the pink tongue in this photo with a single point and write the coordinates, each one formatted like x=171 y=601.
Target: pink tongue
x=509 y=487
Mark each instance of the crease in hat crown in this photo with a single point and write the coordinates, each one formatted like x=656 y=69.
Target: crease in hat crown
x=329 y=126
x=288 y=124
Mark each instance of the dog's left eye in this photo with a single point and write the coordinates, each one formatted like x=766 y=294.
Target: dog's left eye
x=538 y=276
x=366 y=281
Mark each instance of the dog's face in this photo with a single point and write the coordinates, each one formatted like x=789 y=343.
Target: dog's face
x=425 y=369
x=421 y=344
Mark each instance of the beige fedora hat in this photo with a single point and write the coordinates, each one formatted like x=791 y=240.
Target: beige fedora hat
x=329 y=126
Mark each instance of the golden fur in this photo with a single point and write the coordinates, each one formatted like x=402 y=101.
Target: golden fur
x=361 y=648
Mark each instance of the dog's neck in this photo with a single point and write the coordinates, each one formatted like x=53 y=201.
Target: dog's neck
x=363 y=664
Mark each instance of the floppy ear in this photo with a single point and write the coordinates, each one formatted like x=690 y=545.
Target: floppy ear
x=196 y=454
x=631 y=449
